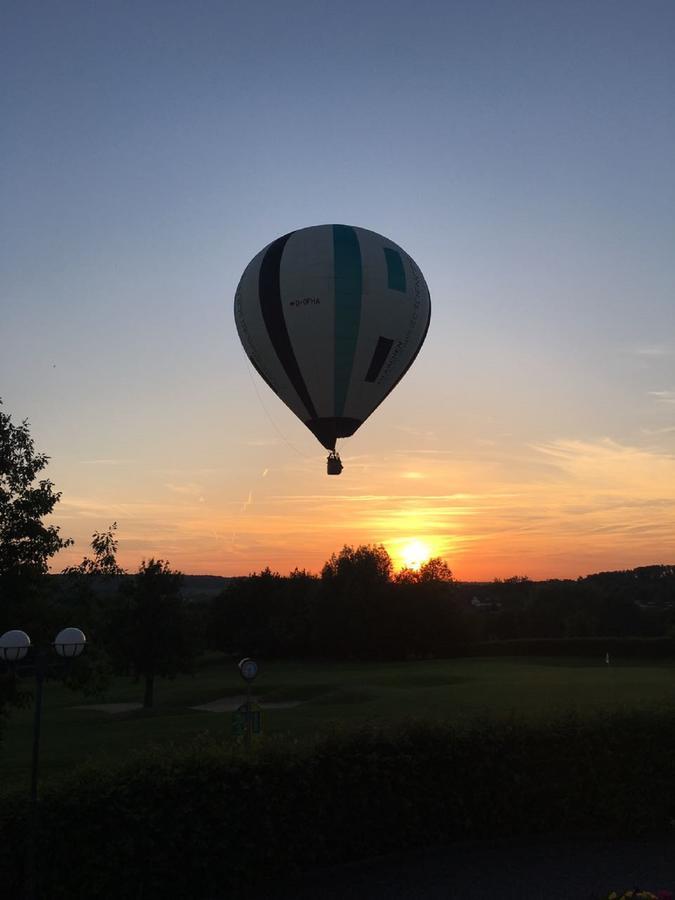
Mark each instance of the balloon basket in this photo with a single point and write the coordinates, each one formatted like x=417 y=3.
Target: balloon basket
x=333 y=463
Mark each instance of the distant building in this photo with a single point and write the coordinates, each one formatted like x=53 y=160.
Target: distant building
x=487 y=603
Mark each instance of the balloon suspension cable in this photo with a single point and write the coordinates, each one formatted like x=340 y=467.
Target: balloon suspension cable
x=334 y=463
x=283 y=437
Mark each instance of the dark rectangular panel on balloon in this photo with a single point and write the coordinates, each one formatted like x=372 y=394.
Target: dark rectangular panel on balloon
x=395 y=270
x=382 y=349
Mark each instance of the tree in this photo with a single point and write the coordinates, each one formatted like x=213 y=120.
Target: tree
x=149 y=631
x=428 y=614
x=104 y=544
x=433 y=571
x=81 y=601
x=264 y=614
x=363 y=566
x=352 y=602
x=82 y=598
x=26 y=543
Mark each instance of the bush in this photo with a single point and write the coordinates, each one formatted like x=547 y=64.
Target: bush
x=200 y=821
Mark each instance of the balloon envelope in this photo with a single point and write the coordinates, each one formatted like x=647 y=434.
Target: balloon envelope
x=332 y=317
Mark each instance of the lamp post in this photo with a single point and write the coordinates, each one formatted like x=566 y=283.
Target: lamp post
x=14 y=647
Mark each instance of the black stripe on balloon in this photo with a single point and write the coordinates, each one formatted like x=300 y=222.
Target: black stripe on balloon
x=382 y=349
x=269 y=291
x=414 y=356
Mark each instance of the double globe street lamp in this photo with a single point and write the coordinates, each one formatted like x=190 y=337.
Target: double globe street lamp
x=14 y=648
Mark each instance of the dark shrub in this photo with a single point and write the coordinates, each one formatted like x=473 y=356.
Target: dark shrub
x=198 y=822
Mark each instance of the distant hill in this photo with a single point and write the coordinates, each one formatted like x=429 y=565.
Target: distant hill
x=204 y=585
x=195 y=587
x=652 y=584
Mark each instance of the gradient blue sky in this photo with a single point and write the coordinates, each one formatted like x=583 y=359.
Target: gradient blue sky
x=522 y=152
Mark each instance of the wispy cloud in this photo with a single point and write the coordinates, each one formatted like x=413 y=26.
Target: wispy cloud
x=106 y=462
x=439 y=451
x=262 y=442
x=663 y=396
x=415 y=432
x=651 y=350
x=189 y=489
x=667 y=429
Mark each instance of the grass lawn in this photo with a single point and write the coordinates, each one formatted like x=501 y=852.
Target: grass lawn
x=330 y=693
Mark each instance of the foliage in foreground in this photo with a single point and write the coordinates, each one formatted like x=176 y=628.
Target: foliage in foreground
x=638 y=894
x=199 y=821
x=26 y=542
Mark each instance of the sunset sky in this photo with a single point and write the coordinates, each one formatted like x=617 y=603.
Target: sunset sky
x=522 y=152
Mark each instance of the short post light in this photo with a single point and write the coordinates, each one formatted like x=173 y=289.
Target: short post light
x=248 y=669
x=14 y=646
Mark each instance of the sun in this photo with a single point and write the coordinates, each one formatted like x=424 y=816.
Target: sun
x=414 y=554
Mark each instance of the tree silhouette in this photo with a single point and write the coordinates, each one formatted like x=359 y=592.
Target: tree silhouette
x=104 y=544
x=26 y=543
x=363 y=566
x=264 y=614
x=82 y=601
x=433 y=571
x=352 y=602
x=149 y=631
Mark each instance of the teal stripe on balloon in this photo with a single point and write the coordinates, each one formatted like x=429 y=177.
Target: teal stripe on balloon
x=395 y=270
x=348 y=284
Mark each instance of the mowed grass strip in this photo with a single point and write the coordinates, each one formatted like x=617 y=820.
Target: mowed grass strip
x=331 y=695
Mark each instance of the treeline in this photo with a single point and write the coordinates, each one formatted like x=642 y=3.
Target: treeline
x=358 y=608
x=638 y=603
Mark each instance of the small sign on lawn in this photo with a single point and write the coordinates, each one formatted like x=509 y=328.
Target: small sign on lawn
x=247 y=712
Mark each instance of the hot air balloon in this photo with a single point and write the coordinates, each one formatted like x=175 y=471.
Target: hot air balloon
x=332 y=317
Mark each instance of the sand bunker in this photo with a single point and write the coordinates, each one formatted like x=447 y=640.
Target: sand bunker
x=229 y=704
x=225 y=704
x=110 y=707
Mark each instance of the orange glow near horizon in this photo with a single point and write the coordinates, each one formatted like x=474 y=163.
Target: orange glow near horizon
x=555 y=510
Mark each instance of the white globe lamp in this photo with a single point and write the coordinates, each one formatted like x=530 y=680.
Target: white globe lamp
x=14 y=646
x=70 y=642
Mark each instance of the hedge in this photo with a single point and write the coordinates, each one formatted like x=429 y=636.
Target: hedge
x=203 y=820
x=588 y=647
